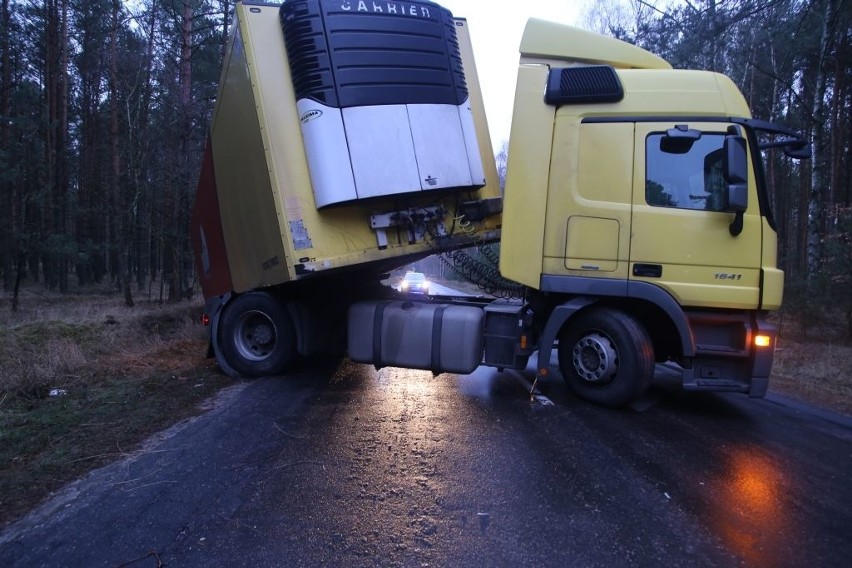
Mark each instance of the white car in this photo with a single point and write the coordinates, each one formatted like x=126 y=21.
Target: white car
x=414 y=283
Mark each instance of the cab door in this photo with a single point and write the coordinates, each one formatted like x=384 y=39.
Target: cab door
x=681 y=221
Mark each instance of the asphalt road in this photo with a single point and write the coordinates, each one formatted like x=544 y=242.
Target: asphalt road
x=353 y=466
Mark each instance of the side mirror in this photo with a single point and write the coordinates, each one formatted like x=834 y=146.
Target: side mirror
x=736 y=172
x=798 y=151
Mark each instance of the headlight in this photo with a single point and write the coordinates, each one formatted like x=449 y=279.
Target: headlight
x=404 y=285
x=425 y=285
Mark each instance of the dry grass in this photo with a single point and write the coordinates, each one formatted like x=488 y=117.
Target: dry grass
x=54 y=342
x=814 y=371
x=813 y=360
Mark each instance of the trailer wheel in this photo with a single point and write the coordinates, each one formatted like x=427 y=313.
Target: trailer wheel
x=606 y=357
x=256 y=336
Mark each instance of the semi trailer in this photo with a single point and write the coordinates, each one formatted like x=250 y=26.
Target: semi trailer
x=349 y=139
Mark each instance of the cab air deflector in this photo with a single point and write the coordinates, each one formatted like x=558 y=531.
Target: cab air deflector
x=583 y=85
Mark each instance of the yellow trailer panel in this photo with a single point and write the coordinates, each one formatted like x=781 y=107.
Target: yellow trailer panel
x=272 y=229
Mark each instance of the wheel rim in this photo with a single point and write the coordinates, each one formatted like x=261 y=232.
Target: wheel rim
x=595 y=359
x=255 y=336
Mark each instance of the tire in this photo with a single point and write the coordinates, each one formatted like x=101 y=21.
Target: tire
x=256 y=336
x=606 y=357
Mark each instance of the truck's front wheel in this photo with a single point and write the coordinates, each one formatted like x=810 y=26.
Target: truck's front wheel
x=256 y=336
x=606 y=357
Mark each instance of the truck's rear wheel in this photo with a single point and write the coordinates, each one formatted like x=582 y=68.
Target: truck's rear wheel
x=256 y=335
x=606 y=357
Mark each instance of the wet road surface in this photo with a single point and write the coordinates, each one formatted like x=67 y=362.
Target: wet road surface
x=353 y=466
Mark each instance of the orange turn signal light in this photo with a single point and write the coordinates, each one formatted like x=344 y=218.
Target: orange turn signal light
x=762 y=340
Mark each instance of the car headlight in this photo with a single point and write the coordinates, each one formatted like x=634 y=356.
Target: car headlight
x=425 y=285
x=404 y=285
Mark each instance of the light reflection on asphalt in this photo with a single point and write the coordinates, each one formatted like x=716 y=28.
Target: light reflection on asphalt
x=751 y=515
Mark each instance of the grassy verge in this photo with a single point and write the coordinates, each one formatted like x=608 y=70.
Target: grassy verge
x=816 y=372
x=813 y=360
x=83 y=380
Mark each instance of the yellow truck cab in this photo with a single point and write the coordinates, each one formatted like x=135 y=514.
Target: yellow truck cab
x=638 y=187
x=349 y=138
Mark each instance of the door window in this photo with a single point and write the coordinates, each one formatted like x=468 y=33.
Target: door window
x=688 y=178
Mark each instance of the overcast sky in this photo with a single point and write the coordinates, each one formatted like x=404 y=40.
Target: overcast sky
x=496 y=29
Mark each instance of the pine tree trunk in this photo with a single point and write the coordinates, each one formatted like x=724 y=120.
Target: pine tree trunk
x=122 y=207
x=7 y=191
x=178 y=282
x=46 y=225
x=62 y=178
x=819 y=186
